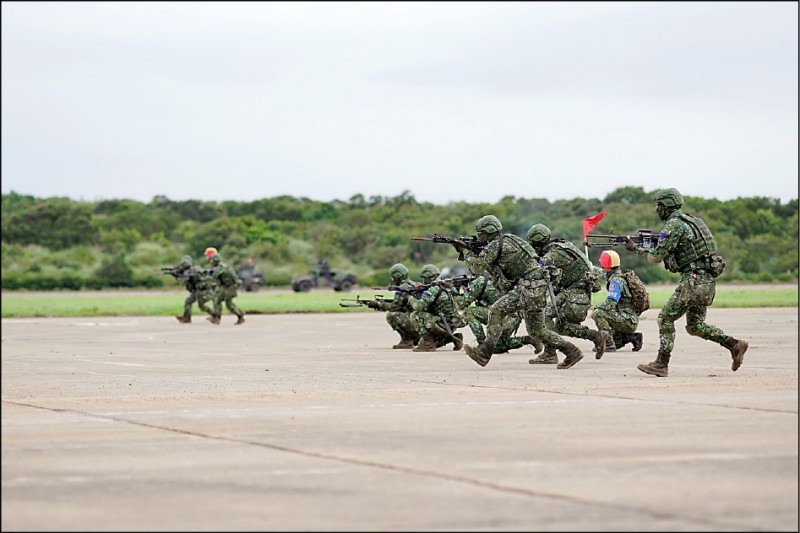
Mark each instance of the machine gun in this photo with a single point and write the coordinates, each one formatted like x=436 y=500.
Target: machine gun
x=361 y=303
x=465 y=242
x=644 y=238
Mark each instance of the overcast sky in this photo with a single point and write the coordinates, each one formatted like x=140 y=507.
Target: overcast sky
x=451 y=101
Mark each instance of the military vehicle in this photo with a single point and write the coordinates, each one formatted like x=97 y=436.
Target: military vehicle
x=323 y=276
x=251 y=281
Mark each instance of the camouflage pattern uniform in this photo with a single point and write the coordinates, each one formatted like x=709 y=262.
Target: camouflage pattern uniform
x=513 y=265
x=615 y=314
x=399 y=310
x=475 y=301
x=194 y=280
x=573 y=291
x=224 y=289
x=435 y=314
x=687 y=246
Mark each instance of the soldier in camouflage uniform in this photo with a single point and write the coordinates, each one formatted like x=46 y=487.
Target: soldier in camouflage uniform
x=513 y=265
x=195 y=282
x=435 y=315
x=475 y=301
x=616 y=315
x=573 y=292
x=224 y=289
x=399 y=309
x=687 y=246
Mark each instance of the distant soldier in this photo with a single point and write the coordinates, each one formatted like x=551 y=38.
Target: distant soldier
x=435 y=314
x=616 y=314
x=224 y=289
x=573 y=291
x=399 y=309
x=686 y=246
x=195 y=281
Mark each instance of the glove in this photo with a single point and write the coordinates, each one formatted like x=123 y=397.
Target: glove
x=630 y=244
x=373 y=304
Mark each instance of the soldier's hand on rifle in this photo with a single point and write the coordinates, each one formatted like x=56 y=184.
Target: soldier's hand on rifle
x=630 y=245
x=374 y=304
x=459 y=246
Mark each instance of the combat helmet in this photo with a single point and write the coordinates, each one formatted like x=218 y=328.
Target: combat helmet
x=210 y=251
x=668 y=197
x=489 y=224
x=538 y=234
x=214 y=259
x=186 y=262
x=398 y=272
x=429 y=273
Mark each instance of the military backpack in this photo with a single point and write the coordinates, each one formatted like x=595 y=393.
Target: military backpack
x=641 y=300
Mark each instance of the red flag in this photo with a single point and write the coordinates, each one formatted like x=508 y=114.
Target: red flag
x=589 y=223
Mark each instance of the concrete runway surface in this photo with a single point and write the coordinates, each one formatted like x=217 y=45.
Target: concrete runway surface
x=311 y=422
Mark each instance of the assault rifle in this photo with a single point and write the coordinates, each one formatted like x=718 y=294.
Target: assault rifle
x=175 y=272
x=465 y=242
x=361 y=303
x=457 y=281
x=178 y=272
x=644 y=238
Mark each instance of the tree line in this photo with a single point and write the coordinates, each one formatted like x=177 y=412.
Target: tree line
x=60 y=243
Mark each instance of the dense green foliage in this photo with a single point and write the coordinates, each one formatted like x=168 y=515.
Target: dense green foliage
x=52 y=243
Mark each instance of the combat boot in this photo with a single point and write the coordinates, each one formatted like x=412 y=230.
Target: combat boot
x=573 y=354
x=183 y=319
x=404 y=344
x=213 y=319
x=240 y=320
x=549 y=357
x=458 y=341
x=737 y=349
x=482 y=354
x=533 y=341
x=603 y=342
x=659 y=367
x=426 y=344
x=637 y=341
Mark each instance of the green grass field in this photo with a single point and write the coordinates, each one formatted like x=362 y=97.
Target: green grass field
x=112 y=303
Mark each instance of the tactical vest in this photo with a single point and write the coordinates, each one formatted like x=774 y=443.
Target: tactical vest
x=693 y=251
x=576 y=266
x=517 y=257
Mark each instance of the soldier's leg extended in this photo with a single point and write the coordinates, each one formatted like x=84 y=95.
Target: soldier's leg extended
x=696 y=325
x=401 y=322
x=508 y=304
x=573 y=312
x=216 y=314
x=187 y=309
x=203 y=301
x=536 y=326
x=233 y=308
x=672 y=311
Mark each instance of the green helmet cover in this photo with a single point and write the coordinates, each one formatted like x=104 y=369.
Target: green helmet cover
x=668 y=197
x=538 y=233
x=488 y=224
x=398 y=270
x=186 y=262
x=429 y=271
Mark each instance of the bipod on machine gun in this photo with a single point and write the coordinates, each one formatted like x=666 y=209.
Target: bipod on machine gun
x=361 y=302
x=466 y=242
x=644 y=238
